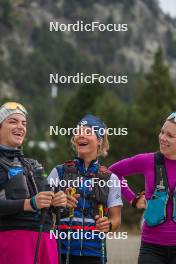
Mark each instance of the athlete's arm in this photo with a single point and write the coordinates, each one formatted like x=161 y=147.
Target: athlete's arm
x=8 y=207
x=127 y=167
x=115 y=217
x=114 y=204
x=112 y=223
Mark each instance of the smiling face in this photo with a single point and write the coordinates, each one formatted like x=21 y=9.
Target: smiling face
x=13 y=131
x=167 y=140
x=87 y=143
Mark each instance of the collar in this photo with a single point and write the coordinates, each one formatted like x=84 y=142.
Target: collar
x=10 y=152
x=92 y=168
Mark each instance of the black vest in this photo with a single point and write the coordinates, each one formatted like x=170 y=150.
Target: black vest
x=25 y=181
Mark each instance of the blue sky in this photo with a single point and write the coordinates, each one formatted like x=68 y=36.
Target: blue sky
x=168 y=6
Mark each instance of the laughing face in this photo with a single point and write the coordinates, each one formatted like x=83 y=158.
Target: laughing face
x=13 y=131
x=167 y=140
x=86 y=143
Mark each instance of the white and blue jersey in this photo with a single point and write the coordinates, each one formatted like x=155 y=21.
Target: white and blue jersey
x=85 y=239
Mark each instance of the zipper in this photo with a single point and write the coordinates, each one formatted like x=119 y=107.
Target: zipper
x=86 y=170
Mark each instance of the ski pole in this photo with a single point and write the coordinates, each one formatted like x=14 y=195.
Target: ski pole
x=42 y=220
x=42 y=213
x=58 y=214
x=71 y=214
x=58 y=230
x=101 y=214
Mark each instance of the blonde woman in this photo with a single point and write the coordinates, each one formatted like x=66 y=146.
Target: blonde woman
x=158 y=235
x=85 y=225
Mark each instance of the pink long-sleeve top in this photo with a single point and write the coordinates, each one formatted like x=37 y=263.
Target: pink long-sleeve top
x=163 y=234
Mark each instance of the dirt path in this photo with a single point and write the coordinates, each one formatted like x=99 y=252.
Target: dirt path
x=123 y=251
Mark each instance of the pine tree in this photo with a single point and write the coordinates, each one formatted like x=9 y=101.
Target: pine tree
x=83 y=102
x=7 y=10
x=155 y=102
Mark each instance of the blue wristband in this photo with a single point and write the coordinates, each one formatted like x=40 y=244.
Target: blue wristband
x=33 y=204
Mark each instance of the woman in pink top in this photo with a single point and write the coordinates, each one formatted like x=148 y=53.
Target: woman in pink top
x=158 y=245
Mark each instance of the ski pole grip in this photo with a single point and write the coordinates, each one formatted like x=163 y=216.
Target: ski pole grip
x=101 y=211
x=71 y=193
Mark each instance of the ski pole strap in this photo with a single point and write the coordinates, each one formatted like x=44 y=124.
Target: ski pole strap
x=101 y=214
x=135 y=200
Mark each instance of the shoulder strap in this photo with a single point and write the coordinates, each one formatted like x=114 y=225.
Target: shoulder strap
x=4 y=164
x=70 y=167
x=60 y=171
x=67 y=171
x=67 y=168
x=29 y=172
x=103 y=173
x=160 y=172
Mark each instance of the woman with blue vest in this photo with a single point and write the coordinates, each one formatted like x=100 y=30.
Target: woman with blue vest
x=158 y=244
x=98 y=208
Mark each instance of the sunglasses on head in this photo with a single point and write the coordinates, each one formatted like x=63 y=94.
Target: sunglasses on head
x=14 y=106
x=172 y=117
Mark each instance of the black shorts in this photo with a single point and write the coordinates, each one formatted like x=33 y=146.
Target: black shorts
x=82 y=260
x=156 y=254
